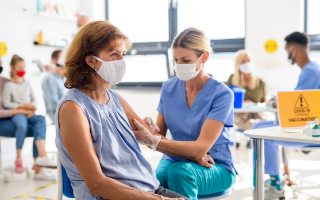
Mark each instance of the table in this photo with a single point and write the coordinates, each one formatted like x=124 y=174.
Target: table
x=255 y=109
x=272 y=133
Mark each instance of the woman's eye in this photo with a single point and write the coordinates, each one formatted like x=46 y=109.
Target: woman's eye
x=186 y=61
x=123 y=54
x=176 y=60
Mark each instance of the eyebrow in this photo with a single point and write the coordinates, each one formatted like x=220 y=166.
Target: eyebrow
x=182 y=57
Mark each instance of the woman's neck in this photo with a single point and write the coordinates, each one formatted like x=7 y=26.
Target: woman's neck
x=17 y=79
x=98 y=94
x=197 y=83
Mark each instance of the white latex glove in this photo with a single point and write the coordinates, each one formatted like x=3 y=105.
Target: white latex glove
x=144 y=137
x=153 y=126
x=167 y=198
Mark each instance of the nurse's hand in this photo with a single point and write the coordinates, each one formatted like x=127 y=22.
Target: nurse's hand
x=144 y=137
x=167 y=198
x=153 y=126
x=206 y=161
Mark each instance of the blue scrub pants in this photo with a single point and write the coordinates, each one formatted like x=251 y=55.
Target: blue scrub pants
x=190 y=179
x=20 y=127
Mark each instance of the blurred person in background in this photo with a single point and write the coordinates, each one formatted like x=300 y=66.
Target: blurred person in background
x=244 y=77
x=83 y=19
x=53 y=86
x=18 y=119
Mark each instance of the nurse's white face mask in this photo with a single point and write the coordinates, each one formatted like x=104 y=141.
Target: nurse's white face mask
x=111 y=71
x=246 y=68
x=290 y=60
x=186 y=72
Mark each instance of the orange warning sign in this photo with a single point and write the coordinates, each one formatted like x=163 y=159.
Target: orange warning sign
x=296 y=108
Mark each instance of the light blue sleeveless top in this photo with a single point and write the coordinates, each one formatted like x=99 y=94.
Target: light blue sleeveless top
x=114 y=142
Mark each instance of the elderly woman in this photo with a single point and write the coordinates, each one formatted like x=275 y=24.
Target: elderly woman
x=97 y=146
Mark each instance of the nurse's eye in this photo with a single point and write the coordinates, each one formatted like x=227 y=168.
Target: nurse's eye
x=186 y=61
x=176 y=60
x=124 y=55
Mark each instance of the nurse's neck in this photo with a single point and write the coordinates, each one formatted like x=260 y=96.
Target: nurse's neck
x=198 y=82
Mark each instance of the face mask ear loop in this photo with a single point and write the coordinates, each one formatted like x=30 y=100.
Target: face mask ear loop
x=98 y=59
x=198 y=61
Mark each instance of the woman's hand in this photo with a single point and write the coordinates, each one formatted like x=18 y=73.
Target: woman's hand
x=206 y=161
x=144 y=137
x=153 y=126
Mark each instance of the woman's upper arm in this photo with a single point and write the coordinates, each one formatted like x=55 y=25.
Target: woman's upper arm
x=132 y=115
x=76 y=136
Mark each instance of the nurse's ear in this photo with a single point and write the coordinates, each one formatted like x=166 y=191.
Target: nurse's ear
x=205 y=57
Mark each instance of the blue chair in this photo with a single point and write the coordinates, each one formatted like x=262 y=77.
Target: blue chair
x=64 y=184
x=216 y=196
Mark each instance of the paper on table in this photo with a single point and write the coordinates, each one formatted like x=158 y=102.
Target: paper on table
x=292 y=130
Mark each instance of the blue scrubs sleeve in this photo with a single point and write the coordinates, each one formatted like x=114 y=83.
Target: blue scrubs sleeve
x=305 y=82
x=222 y=108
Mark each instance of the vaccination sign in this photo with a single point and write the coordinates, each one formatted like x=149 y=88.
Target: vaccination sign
x=296 y=108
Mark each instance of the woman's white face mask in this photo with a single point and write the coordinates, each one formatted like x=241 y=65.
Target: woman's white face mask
x=246 y=68
x=111 y=71
x=186 y=72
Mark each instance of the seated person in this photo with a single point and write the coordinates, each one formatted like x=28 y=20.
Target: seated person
x=245 y=78
x=297 y=48
x=17 y=119
x=53 y=86
x=94 y=124
x=197 y=109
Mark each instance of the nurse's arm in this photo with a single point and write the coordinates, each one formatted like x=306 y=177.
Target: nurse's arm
x=75 y=131
x=162 y=124
x=209 y=134
x=132 y=115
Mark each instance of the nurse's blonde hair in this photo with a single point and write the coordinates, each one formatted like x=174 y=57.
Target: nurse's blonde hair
x=238 y=76
x=192 y=39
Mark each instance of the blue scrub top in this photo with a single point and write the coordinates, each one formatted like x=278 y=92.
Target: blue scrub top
x=214 y=101
x=309 y=77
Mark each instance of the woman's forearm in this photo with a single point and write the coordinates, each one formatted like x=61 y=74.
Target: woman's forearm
x=183 y=148
x=109 y=188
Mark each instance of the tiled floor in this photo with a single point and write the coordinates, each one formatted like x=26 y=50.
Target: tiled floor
x=302 y=166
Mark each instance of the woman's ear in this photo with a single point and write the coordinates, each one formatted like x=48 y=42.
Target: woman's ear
x=205 y=57
x=90 y=61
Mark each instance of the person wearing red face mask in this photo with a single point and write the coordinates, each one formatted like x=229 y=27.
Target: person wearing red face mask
x=18 y=97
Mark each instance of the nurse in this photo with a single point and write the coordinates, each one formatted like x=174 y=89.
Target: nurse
x=197 y=109
x=297 y=48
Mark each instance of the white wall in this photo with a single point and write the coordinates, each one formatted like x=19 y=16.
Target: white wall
x=19 y=27
x=273 y=19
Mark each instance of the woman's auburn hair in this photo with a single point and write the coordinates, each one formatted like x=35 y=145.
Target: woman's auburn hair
x=89 y=41
x=238 y=77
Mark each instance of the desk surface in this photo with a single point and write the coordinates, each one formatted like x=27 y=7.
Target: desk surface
x=256 y=109
x=276 y=133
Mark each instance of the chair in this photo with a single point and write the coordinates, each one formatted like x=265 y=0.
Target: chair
x=64 y=184
x=11 y=169
x=216 y=196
